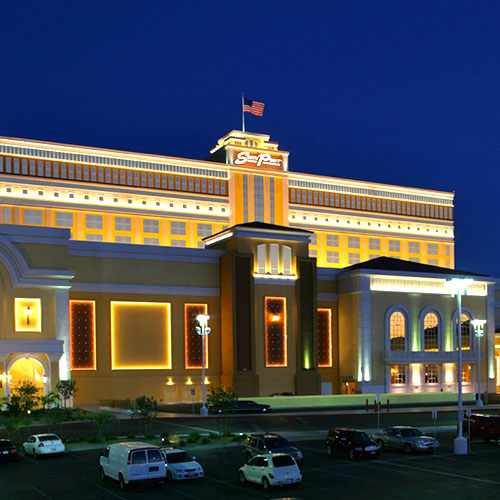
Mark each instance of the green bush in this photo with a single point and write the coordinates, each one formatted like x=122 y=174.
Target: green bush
x=213 y=435
x=205 y=440
x=182 y=442
x=110 y=438
x=195 y=436
x=91 y=440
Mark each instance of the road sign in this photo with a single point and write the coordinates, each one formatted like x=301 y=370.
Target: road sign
x=434 y=414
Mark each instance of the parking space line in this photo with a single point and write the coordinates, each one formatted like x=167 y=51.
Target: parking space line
x=41 y=492
x=109 y=492
x=449 y=474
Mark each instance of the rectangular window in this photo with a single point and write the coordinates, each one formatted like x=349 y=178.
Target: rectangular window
x=191 y=184
x=170 y=182
x=275 y=329
x=204 y=230
x=178 y=227
x=432 y=262
x=353 y=258
x=82 y=334
x=259 y=198
x=324 y=328
x=432 y=248
x=197 y=185
x=93 y=221
x=431 y=374
x=398 y=374
x=414 y=247
x=394 y=246
x=6 y=215
x=374 y=244
x=33 y=217
x=314 y=239
x=193 y=342
x=332 y=257
x=332 y=240
x=298 y=196
x=123 y=239
x=151 y=241
x=222 y=187
x=177 y=183
x=353 y=242
x=123 y=224
x=184 y=184
x=151 y=226
x=64 y=219
x=93 y=237
x=177 y=243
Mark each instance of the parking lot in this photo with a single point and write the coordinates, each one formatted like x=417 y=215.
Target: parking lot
x=74 y=476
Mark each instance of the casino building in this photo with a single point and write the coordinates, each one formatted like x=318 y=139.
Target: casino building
x=313 y=284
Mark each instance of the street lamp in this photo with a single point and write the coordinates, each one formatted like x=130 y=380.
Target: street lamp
x=459 y=288
x=203 y=330
x=478 y=325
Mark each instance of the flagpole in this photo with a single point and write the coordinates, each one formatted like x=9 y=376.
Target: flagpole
x=242 y=113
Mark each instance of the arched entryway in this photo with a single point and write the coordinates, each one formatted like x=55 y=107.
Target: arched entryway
x=27 y=368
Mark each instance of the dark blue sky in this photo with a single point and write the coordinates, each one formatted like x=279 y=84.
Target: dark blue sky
x=402 y=93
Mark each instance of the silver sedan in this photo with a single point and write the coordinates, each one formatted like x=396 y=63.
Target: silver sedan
x=407 y=439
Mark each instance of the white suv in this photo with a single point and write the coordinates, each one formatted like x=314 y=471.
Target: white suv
x=272 y=469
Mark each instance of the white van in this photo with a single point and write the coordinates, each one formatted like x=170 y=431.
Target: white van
x=132 y=463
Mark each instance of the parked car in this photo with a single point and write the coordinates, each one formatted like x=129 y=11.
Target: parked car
x=352 y=442
x=7 y=450
x=483 y=426
x=240 y=406
x=275 y=469
x=258 y=444
x=132 y=462
x=180 y=465
x=43 y=444
x=404 y=438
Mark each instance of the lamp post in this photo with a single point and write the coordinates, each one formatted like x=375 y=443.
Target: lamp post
x=459 y=288
x=478 y=325
x=203 y=330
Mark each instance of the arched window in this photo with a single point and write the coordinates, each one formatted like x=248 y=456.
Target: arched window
x=466 y=332
x=431 y=332
x=397 y=331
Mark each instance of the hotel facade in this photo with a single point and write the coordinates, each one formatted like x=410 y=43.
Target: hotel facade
x=313 y=284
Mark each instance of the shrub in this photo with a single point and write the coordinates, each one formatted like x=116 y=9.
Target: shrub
x=205 y=440
x=91 y=440
x=195 y=436
x=110 y=438
x=182 y=442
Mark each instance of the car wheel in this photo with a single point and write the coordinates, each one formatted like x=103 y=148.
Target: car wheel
x=329 y=450
x=407 y=448
x=103 y=476
x=241 y=477
x=351 y=454
x=123 y=485
x=265 y=483
x=169 y=476
x=380 y=444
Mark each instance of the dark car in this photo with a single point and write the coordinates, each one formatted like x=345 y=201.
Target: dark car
x=351 y=442
x=259 y=444
x=240 y=406
x=483 y=426
x=7 y=450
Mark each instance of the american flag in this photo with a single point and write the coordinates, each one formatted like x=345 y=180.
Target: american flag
x=254 y=107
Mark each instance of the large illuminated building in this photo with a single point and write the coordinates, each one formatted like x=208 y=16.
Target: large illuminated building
x=313 y=284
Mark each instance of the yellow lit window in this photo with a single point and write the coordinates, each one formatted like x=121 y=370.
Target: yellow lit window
x=28 y=315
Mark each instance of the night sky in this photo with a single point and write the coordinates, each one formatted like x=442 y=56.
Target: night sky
x=403 y=93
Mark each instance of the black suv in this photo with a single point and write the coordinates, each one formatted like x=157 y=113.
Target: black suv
x=259 y=444
x=352 y=442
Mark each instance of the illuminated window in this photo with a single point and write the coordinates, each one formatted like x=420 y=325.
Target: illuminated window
x=398 y=374
x=64 y=219
x=28 y=315
x=431 y=332
x=275 y=328
x=123 y=224
x=324 y=327
x=193 y=342
x=93 y=221
x=466 y=332
x=140 y=335
x=286 y=253
x=374 y=244
x=151 y=226
x=431 y=374
x=397 y=331
x=33 y=217
x=82 y=334
x=466 y=373
x=274 y=253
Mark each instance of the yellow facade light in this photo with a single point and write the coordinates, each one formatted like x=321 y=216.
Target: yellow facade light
x=189 y=381
x=206 y=381
x=28 y=315
x=170 y=381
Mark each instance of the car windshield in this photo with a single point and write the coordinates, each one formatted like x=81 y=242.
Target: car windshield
x=177 y=458
x=358 y=436
x=5 y=444
x=273 y=443
x=48 y=437
x=410 y=433
x=283 y=461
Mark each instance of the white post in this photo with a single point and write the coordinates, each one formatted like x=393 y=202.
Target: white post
x=203 y=330
x=478 y=325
